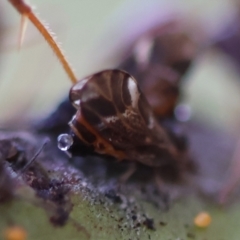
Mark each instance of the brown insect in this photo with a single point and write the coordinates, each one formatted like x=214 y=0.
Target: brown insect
x=112 y=114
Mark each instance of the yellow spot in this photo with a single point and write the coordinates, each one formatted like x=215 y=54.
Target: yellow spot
x=202 y=220
x=15 y=233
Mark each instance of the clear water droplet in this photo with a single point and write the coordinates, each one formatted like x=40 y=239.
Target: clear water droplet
x=65 y=141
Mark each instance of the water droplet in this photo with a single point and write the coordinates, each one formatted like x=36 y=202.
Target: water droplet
x=65 y=141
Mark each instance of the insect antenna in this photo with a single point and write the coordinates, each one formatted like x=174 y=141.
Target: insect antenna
x=26 y=12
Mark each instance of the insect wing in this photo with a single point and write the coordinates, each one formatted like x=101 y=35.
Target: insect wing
x=114 y=116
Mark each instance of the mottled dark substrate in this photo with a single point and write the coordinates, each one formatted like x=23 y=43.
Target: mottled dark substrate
x=54 y=178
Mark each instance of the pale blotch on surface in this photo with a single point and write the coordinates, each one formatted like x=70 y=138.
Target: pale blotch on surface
x=15 y=233
x=202 y=220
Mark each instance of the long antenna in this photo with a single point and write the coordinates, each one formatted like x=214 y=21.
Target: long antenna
x=26 y=11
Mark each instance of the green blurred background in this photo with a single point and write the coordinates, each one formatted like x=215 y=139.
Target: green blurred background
x=94 y=34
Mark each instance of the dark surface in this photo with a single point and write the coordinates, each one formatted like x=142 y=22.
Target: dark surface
x=53 y=177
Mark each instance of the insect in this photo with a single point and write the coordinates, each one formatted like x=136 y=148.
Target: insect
x=112 y=114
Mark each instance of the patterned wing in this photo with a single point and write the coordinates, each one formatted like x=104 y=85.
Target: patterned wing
x=114 y=116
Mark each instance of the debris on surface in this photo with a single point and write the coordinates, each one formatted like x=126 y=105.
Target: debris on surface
x=15 y=233
x=202 y=220
x=54 y=180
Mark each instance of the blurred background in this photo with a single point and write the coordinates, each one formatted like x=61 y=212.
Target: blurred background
x=94 y=36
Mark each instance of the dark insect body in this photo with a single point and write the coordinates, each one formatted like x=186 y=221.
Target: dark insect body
x=113 y=116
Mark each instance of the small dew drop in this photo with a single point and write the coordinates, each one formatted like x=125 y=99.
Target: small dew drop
x=65 y=141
